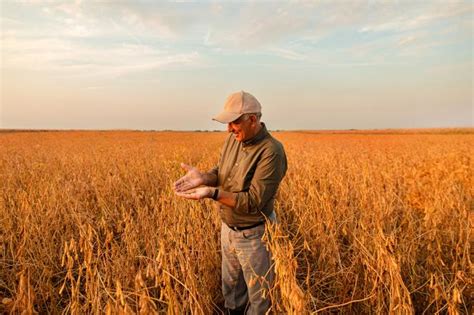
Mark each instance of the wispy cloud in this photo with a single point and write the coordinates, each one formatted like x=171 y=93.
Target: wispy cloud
x=99 y=35
x=255 y=28
x=288 y=54
x=419 y=18
x=67 y=57
x=407 y=40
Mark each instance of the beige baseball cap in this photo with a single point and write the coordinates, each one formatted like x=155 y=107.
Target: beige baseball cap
x=236 y=105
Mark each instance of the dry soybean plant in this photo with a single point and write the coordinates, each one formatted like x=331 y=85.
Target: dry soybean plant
x=368 y=223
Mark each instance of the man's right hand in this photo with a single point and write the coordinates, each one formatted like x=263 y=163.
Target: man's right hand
x=193 y=178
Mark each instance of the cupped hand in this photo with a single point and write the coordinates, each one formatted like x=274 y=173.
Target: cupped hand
x=197 y=193
x=192 y=179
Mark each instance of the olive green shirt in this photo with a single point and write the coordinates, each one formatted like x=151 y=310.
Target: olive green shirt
x=252 y=169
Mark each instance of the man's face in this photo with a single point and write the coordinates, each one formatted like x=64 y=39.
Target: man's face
x=242 y=128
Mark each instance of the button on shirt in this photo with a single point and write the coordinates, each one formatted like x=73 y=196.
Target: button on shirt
x=252 y=169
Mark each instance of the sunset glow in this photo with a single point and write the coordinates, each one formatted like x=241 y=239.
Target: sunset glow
x=312 y=65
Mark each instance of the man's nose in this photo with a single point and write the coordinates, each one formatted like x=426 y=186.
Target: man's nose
x=229 y=127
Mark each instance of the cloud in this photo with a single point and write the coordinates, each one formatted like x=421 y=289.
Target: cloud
x=69 y=58
x=94 y=18
x=418 y=18
x=258 y=25
x=89 y=39
x=287 y=54
x=407 y=40
x=134 y=36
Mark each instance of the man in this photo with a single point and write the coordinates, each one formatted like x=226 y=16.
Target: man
x=244 y=184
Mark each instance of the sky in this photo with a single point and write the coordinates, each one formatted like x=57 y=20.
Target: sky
x=154 y=65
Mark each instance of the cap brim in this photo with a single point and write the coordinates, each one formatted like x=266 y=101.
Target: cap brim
x=226 y=117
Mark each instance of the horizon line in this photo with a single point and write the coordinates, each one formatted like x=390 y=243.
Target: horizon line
x=470 y=128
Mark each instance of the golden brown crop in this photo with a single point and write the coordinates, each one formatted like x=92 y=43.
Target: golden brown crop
x=369 y=223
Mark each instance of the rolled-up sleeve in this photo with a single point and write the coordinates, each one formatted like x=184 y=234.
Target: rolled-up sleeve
x=268 y=174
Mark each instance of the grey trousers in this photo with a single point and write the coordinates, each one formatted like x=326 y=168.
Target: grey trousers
x=247 y=270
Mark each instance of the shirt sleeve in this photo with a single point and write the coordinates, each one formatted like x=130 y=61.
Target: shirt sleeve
x=268 y=174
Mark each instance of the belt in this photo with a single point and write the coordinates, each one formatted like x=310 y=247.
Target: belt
x=238 y=228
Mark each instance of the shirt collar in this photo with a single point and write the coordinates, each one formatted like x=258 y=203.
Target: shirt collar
x=258 y=137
